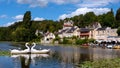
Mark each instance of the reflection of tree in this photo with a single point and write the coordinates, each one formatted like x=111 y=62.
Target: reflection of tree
x=25 y=63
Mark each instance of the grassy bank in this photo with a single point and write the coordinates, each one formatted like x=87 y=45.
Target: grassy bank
x=104 y=63
x=4 y=53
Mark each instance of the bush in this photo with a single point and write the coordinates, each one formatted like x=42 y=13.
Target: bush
x=104 y=63
x=81 y=41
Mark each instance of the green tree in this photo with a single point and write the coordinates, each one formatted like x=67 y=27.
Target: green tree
x=20 y=34
x=27 y=19
x=118 y=15
x=89 y=18
x=118 y=31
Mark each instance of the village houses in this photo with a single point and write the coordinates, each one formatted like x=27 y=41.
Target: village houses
x=93 y=31
x=68 y=30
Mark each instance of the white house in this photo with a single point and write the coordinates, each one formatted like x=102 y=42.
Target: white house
x=68 y=30
x=48 y=38
x=104 y=34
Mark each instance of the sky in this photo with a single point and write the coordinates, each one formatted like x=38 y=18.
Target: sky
x=12 y=11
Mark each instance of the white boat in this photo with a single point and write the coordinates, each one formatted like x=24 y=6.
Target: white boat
x=30 y=51
x=35 y=51
x=26 y=51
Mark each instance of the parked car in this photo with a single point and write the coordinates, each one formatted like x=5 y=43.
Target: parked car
x=109 y=46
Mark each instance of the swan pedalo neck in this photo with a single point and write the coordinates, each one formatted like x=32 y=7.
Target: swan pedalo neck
x=25 y=51
x=35 y=51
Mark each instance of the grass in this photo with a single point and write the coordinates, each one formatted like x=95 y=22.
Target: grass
x=104 y=63
x=4 y=53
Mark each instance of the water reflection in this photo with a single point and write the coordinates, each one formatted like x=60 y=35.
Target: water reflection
x=27 y=59
x=63 y=57
x=76 y=55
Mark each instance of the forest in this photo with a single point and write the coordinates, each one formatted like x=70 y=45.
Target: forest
x=24 y=31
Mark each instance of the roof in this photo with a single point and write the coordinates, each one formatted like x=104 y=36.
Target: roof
x=71 y=30
x=101 y=29
x=84 y=30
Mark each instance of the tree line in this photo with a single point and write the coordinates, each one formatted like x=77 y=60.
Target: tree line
x=24 y=31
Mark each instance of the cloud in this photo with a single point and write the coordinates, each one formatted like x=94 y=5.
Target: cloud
x=18 y=17
x=97 y=11
x=96 y=3
x=39 y=19
x=3 y=16
x=8 y=24
x=80 y=3
x=43 y=3
x=34 y=3
x=64 y=1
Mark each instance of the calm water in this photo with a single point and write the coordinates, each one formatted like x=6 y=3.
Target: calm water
x=59 y=57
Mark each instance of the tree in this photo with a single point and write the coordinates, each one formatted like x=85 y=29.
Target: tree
x=118 y=31
x=118 y=15
x=89 y=18
x=20 y=34
x=27 y=19
x=107 y=20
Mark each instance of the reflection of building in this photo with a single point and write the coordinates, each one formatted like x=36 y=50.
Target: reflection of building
x=98 y=53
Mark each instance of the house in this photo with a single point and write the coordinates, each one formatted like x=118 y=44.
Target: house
x=102 y=34
x=94 y=25
x=38 y=32
x=68 y=30
x=48 y=38
x=85 y=33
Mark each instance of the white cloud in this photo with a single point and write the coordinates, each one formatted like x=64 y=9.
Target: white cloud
x=3 y=16
x=8 y=24
x=64 y=1
x=97 y=11
x=34 y=3
x=18 y=17
x=42 y=3
x=39 y=19
x=96 y=3
x=80 y=3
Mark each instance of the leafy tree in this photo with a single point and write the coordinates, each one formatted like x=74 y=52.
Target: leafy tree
x=89 y=18
x=118 y=15
x=118 y=31
x=4 y=34
x=27 y=19
x=20 y=34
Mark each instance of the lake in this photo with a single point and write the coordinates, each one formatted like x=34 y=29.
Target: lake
x=59 y=56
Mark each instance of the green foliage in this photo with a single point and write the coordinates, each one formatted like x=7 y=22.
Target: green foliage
x=118 y=15
x=27 y=20
x=65 y=41
x=91 y=40
x=102 y=63
x=5 y=34
x=118 y=31
x=4 y=53
x=25 y=30
x=81 y=41
x=20 y=34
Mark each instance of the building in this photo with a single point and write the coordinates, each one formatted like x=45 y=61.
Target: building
x=102 y=34
x=68 y=30
x=85 y=33
x=48 y=38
